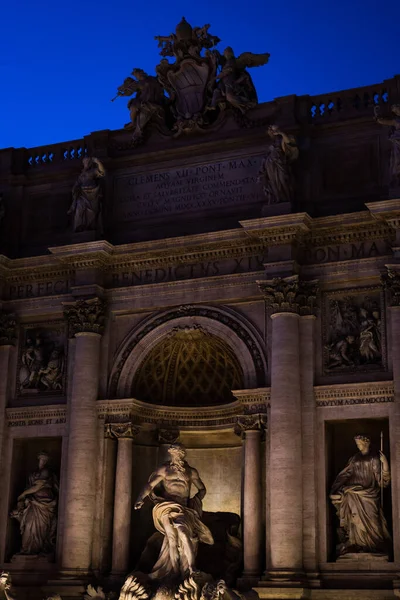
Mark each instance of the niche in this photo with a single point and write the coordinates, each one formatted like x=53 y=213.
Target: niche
x=24 y=464
x=340 y=447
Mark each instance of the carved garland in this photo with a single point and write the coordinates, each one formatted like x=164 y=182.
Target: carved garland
x=8 y=329
x=193 y=311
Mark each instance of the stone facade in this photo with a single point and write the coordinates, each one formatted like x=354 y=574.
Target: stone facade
x=262 y=338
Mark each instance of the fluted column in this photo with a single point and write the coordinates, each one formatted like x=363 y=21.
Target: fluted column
x=86 y=324
x=284 y=300
x=166 y=437
x=8 y=336
x=125 y=434
x=251 y=428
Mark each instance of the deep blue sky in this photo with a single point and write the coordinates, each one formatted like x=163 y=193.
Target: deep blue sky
x=61 y=61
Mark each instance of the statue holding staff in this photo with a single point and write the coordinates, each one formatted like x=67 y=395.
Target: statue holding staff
x=356 y=495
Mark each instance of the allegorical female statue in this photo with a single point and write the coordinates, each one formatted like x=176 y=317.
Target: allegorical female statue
x=36 y=510
x=276 y=171
x=86 y=206
x=356 y=496
x=394 y=137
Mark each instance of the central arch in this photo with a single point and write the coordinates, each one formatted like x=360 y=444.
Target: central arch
x=237 y=345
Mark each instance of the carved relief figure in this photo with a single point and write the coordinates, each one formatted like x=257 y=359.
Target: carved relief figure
x=36 y=510
x=276 y=172
x=86 y=209
x=42 y=365
x=234 y=84
x=355 y=495
x=394 y=137
x=354 y=337
x=148 y=102
x=176 y=514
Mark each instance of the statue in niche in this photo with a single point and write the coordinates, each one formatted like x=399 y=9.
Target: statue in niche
x=148 y=103
x=276 y=172
x=394 y=138
x=354 y=334
x=176 y=515
x=36 y=511
x=86 y=209
x=355 y=495
x=235 y=86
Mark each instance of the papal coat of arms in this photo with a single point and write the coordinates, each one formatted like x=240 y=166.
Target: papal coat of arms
x=191 y=92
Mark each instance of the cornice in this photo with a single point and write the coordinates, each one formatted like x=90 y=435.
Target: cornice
x=36 y=415
x=254 y=237
x=140 y=412
x=354 y=393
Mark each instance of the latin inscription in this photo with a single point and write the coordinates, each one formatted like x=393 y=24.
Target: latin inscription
x=30 y=422
x=38 y=289
x=189 y=271
x=190 y=189
x=341 y=252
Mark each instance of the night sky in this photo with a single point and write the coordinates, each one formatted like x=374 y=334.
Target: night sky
x=61 y=61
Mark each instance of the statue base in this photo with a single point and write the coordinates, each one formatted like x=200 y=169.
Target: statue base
x=274 y=210
x=362 y=557
x=33 y=562
x=83 y=237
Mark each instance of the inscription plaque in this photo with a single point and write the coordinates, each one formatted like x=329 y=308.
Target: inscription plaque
x=198 y=188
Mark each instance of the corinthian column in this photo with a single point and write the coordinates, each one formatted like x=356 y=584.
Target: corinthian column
x=86 y=324
x=284 y=299
x=8 y=336
x=124 y=433
x=251 y=428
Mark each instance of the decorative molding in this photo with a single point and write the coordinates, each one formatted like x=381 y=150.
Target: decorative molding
x=39 y=415
x=137 y=412
x=85 y=316
x=290 y=295
x=354 y=393
x=121 y=430
x=8 y=329
x=254 y=401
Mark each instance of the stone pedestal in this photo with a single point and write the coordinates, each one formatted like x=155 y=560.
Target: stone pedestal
x=125 y=433
x=86 y=323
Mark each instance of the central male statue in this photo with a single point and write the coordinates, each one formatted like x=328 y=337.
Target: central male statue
x=176 y=514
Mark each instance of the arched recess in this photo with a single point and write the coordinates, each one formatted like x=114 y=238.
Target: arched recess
x=227 y=325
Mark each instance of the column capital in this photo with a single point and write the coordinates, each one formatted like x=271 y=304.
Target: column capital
x=391 y=283
x=290 y=295
x=8 y=328
x=121 y=430
x=168 y=436
x=85 y=316
x=255 y=422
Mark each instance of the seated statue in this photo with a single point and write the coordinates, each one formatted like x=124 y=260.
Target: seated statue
x=176 y=515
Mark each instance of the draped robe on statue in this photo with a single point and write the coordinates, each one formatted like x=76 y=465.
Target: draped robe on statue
x=359 y=508
x=185 y=518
